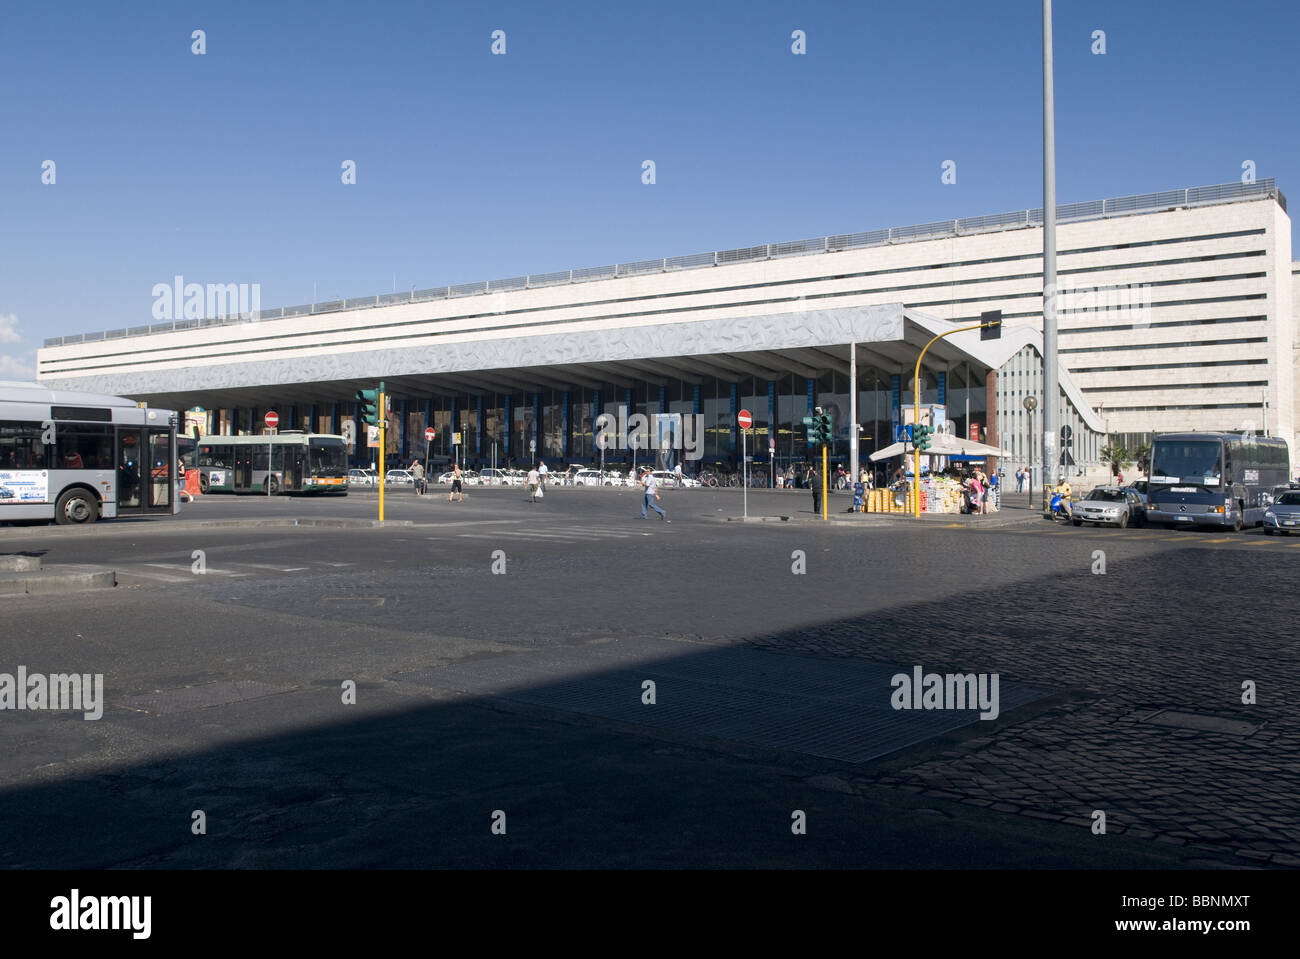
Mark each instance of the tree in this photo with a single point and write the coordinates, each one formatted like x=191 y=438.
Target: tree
x=1115 y=455
x=1142 y=456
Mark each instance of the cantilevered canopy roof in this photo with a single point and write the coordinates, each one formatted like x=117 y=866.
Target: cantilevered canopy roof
x=805 y=342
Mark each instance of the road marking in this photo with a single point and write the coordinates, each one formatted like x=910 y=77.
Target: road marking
x=1226 y=539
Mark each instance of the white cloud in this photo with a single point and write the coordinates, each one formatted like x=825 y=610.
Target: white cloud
x=9 y=328
x=12 y=368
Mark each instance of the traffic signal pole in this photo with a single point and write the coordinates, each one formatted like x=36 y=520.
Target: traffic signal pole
x=383 y=446
x=916 y=414
x=825 y=487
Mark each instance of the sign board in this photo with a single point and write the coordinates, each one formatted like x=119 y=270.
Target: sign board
x=771 y=446
x=744 y=420
x=455 y=439
x=272 y=419
x=24 y=486
x=974 y=432
x=372 y=437
x=429 y=434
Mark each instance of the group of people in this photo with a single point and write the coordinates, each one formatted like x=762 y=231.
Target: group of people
x=978 y=488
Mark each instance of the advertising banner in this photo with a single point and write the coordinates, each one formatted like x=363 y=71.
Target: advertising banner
x=23 y=486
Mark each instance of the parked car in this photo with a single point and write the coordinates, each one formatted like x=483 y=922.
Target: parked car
x=1272 y=495
x=1283 y=515
x=361 y=478
x=1109 y=504
x=1139 y=487
x=493 y=477
x=587 y=478
x=399 y=478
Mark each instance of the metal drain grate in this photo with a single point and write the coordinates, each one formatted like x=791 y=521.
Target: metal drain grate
x=832 y=709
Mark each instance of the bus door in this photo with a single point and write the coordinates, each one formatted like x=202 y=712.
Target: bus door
x=298 y=468
x=243 y=479
x=162 y=471
x=131 y=454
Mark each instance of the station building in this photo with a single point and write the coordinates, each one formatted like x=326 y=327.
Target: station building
x=1175 y=311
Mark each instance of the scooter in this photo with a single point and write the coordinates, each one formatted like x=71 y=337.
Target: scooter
x=1059 y=508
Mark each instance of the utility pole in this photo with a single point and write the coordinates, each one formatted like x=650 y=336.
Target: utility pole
x=1051 y=384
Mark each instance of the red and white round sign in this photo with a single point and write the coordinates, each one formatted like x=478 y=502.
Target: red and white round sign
x=744 y=419
x=429 y=434
x=272 y=419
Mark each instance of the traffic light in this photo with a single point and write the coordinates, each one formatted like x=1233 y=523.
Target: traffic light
x=922 y=436
x=811 y=426
x=819 y=427
x=369 y=402
x=824 y=426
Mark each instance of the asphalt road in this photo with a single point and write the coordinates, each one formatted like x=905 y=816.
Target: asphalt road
x=499 y=651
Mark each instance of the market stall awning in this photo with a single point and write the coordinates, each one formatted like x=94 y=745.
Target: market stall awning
x=941 y=444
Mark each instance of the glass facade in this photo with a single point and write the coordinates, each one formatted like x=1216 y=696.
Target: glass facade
x=497 y=428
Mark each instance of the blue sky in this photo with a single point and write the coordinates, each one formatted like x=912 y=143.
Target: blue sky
x=225 y=167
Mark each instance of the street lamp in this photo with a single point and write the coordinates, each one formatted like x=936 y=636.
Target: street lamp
x=1030 y=405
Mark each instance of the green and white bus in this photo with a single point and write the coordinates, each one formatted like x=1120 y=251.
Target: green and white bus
x=77 y=457
x=300 y=463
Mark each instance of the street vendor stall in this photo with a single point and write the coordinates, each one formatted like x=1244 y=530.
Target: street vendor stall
x=939 y=494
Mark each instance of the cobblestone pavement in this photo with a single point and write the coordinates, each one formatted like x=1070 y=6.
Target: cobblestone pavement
x=1145 y=663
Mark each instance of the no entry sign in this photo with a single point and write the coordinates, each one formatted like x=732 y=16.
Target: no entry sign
x=744 y=419
x=272 y=419
x=429 y=434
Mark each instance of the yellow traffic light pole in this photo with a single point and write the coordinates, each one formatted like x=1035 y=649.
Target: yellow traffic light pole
x=383 y=445
x=916 y=414
x=825 y=487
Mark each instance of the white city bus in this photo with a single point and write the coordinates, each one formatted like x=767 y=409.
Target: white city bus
x=76 y=457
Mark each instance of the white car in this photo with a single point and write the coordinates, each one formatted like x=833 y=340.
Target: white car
x=494 y=477
x=399 y=478
x=360 y=478
x=587 y=478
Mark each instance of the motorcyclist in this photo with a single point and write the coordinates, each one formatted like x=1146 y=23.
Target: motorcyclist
x=1062 y=505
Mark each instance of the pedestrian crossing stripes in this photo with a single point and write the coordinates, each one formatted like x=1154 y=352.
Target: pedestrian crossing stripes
x=184 y=572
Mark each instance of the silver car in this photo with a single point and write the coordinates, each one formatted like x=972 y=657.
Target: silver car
x=1283 y=515
x=1107 y=505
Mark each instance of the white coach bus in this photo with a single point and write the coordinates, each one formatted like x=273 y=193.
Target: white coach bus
x=76 y=457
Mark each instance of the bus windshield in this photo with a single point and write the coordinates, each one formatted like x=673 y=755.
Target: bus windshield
x=1190 y=461
x=328 y=458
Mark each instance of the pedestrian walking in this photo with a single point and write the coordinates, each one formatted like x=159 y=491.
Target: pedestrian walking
x=534 y=484
x=417 y=471
x=542 y=472
x=457 y=484
x=815 y=482
x=651 y=497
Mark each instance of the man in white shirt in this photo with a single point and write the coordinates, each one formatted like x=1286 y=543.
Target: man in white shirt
x=651 y=494
x=534 y=484
x=541 y=473
x=677 y=472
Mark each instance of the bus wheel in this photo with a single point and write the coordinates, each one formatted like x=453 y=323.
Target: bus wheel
x=203 y=483
x=1236 y=523
x=275 y=486
x=76 y=506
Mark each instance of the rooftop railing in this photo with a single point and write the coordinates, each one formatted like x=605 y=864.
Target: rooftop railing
x=1022 y=219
